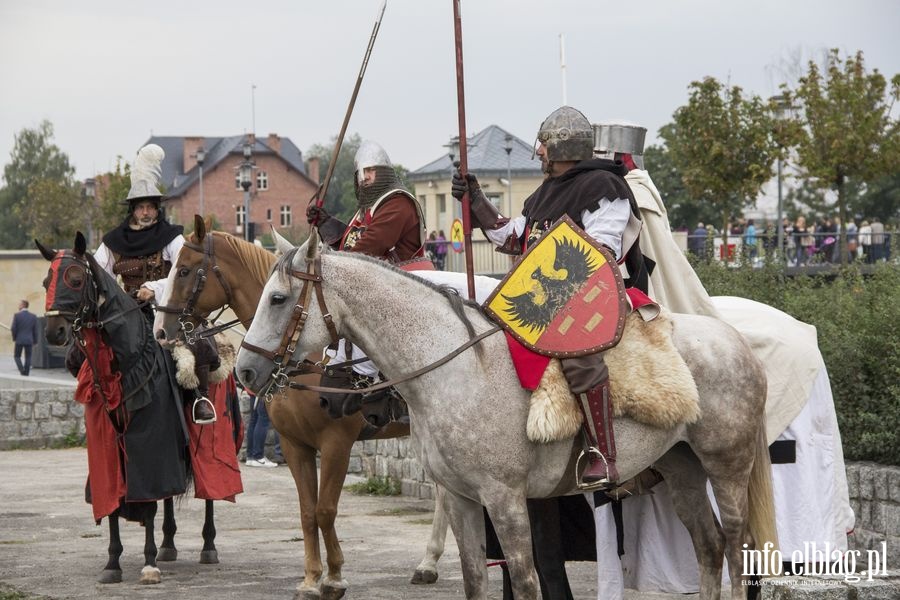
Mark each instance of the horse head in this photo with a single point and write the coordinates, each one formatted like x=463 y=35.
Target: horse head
x=288 y=322
x=72 y=289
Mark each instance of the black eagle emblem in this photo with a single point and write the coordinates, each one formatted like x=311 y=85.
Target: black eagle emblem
x=536 y=308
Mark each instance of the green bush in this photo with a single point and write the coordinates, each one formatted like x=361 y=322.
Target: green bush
x=856 y=317
x=375 y=486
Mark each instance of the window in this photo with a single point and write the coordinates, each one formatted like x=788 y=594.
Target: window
x=262 y=181
x=285 y=216
x=269 y=215
x=442 y=203
x=239 y=215
x=494 y=199
x=237 y=181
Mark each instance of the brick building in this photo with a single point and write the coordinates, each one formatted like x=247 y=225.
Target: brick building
x=281 y=184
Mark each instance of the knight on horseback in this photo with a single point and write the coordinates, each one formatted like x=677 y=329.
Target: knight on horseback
x=593 y=193
x=389 y=225
x=141 y=251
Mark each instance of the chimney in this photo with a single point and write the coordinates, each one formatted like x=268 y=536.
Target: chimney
x=312 y=169
x=189 y=148
x=274 y=142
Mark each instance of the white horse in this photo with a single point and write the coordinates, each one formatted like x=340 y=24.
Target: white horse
x=469 y=414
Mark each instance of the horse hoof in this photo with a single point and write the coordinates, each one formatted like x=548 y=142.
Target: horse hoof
x=209 y=557
x=150 y=575
x=423 y=577
x=110 y=576
x=307 y=594
x=167 y=554
x=333 y=590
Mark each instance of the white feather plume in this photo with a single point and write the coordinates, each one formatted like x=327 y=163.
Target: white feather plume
x=147 y=164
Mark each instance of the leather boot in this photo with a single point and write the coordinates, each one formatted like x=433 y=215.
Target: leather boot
x=596 y=406
x=203 y=412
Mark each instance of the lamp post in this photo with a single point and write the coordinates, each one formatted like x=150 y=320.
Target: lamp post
x=782 y=109
x=90 y=193
x=246 y=171
x=453 y=152
x=201 y=156
x=508 y=147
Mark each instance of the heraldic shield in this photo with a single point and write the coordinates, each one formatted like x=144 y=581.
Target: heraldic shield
x=565 y=298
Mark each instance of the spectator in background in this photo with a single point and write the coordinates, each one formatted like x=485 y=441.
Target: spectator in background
x=257 y=431
x=865 y=241
x=440 y=251
x=852 y=239
x=750 y=239
x=697 y=241
x=877 y=240
x=803 y=240
x=25 y=335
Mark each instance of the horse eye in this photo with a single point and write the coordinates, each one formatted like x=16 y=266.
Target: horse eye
x=184 y=272
x=278 y=299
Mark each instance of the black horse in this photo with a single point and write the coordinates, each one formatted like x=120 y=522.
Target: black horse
x=136 y=432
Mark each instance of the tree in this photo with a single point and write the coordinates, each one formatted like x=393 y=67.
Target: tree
x=848 y=132
x=724 y=146
x=684 y=211
x=54 y=212
x=340 y=200
x=112 y=188
x=34 y=158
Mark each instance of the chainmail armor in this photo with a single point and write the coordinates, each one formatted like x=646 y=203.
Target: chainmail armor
x=385 y=180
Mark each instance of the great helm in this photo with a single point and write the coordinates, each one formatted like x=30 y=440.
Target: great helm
x=145 y=174
x=620 y=137
x=566 y=135
x=370 y=154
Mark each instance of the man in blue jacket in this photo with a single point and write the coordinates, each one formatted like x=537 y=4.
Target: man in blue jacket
x=25 y=334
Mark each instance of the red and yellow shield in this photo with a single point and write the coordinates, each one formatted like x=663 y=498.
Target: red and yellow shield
x=565 y=298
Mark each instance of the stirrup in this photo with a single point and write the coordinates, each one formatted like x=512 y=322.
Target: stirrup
x=198 y=402
x=601 y=484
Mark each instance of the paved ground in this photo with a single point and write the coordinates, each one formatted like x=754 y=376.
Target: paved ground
x=49 y=546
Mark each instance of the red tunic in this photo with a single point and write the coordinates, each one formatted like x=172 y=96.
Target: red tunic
x=391 y=232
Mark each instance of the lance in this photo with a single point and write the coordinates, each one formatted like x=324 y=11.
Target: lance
x=463 y=157
x=319 y=198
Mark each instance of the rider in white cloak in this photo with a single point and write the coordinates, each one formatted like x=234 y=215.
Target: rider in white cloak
x=811 y=494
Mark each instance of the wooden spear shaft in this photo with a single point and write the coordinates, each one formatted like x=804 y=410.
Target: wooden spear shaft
x=463 y=162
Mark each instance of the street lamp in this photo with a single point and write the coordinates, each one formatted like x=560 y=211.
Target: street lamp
x=246 y=172
x=201 y=156
x=782 y=108
x=453 y=152
x=90 y=194
x=508 y=147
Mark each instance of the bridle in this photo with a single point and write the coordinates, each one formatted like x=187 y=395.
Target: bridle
x=186 y=313
x=281 y=357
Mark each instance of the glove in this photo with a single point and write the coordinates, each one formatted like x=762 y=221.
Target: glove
x=316 y=215
x=460 y=186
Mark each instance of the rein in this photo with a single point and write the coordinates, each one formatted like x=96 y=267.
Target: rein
x=186 y=313
x=386 y=384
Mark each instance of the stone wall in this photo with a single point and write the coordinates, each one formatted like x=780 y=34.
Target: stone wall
x=37 y=418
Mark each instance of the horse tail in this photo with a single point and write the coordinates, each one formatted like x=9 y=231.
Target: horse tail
x=760 y=495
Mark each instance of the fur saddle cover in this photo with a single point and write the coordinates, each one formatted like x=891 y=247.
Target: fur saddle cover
x=185 y=364
x=648 y=380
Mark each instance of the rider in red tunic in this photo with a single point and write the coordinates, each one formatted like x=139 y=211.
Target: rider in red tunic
x=388 y=224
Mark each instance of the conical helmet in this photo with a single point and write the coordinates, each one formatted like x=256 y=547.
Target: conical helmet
x=370 y=154
x=567 y=135
x=145 y=174
x=620 y=137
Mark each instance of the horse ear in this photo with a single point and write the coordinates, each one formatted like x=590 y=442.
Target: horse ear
x=80 y=244
x=45 y=252
x=282 y=246
x=199 y=228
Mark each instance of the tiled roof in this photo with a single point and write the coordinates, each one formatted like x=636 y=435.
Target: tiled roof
x=217 y=149
x=486 y=156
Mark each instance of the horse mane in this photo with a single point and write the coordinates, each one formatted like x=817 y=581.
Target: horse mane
x=457 y=302
x=255 y=259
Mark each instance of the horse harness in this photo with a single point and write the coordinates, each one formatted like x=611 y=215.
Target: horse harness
x=187 y=313
x=312 y=280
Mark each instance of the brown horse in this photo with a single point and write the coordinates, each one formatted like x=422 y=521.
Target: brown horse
x=239 y=272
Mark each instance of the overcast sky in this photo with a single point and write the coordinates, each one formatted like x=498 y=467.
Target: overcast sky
x=109 y=73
